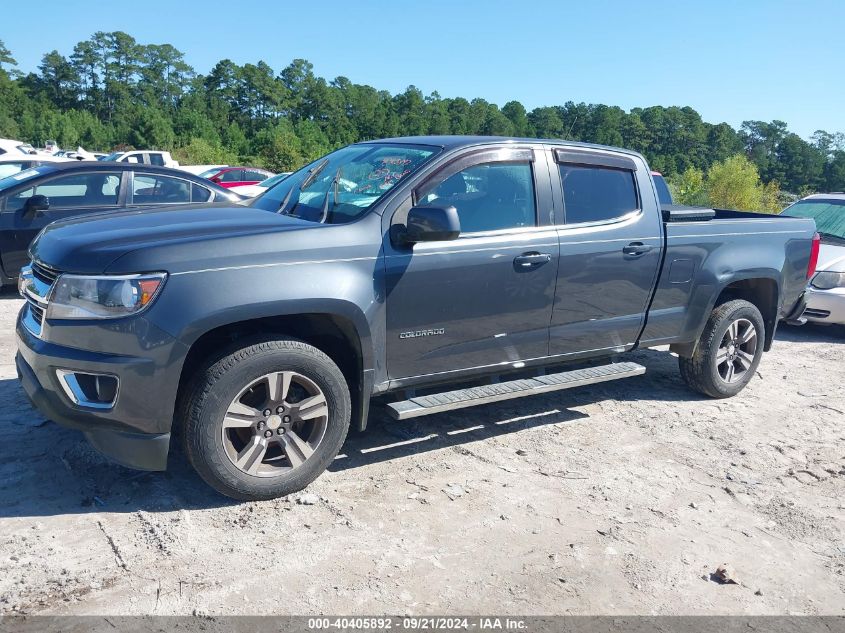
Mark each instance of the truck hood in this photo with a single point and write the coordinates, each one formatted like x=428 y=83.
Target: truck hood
x=832 y=257
x=91 y=244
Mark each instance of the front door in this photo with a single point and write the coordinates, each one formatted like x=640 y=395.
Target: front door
x=484 y=298
x=70 y=195
x=610 y=250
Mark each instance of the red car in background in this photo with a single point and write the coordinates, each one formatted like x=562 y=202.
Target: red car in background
x=236 y=176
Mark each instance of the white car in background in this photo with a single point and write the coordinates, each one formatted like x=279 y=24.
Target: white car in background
x=253 y=191
x=13 y=163
x=143 y=157
x=825 y=295
x=15 y=148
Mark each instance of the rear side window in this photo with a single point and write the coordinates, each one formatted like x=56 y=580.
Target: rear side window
x=200 y=194
x=149 y=189
x=597 y=194
x=156 y=159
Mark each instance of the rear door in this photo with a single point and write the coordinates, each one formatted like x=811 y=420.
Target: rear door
x=70 y=195
x=486 y=297
x=611 y=242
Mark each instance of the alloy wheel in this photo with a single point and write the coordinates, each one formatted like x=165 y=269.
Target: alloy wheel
x=737 y=350
x=275 y=424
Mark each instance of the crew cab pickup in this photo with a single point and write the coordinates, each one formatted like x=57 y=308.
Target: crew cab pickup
x=424 y=274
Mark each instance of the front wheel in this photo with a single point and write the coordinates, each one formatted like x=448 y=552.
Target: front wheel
x=266 y=420
x=728 y=351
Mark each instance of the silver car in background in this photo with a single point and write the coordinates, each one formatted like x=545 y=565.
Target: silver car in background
x=825 y=294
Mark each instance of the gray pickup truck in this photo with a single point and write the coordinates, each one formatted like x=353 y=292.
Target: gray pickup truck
x=424 y=274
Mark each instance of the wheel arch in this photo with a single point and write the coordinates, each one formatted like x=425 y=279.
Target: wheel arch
x=337 y=333
x=763 y=290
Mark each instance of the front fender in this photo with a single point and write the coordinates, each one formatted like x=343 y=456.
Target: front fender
x=193 y=304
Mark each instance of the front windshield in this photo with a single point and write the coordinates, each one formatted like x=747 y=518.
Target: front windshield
x=342 y=186
x=16 y=179
x=113 y=156
x=829 y=215
x=208 y=173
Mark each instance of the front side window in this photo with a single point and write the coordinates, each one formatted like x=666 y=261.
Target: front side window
x=488 y=196
x=155 y=189
x=73 y=191
x=597 y=194
x=157 y=159
x=343 y=185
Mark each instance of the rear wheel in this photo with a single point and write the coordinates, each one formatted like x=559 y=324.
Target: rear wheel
x=266 y=420
x=728 y=351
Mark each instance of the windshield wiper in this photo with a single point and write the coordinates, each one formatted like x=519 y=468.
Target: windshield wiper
x=283 y=207
x=324 y=213
x=312 y=174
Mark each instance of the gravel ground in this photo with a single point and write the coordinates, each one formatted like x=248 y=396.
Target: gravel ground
x=618 y=499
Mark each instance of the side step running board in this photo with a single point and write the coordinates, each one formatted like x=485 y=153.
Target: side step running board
x=461 y=398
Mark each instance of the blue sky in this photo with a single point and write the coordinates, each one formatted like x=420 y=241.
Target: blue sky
x=731 y=61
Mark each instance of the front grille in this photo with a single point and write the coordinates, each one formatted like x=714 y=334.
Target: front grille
x=37 y=311
x=44 y=273
x=37 y=283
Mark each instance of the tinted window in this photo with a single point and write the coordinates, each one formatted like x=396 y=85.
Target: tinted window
x=596 y=194
x=663 y=194
x=829 y=214
x=200 y=194
x=233 y=175
x=74 y=190
x=149 y=189
x=157 y=159
x=488 y=197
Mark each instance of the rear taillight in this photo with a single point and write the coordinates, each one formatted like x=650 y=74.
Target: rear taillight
x=814 y=255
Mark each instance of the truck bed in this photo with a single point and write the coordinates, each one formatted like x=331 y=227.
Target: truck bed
x=703 y=247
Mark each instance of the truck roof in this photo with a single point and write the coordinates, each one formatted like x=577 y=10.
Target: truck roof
x=454 y=141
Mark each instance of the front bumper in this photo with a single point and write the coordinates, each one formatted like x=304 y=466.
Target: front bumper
x=825 y=306
x=135 y=430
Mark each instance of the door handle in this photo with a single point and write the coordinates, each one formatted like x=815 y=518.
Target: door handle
x=529 y=261
x=636 y=248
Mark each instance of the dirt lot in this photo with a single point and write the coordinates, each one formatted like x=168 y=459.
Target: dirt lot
x=619 y=499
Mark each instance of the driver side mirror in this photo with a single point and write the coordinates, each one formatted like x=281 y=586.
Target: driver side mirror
x=431 y=224
x=35 y=205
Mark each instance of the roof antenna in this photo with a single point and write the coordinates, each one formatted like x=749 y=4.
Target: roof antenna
x=574 y=121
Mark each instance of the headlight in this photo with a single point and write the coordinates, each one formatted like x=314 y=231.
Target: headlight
x=106 y=297
x=826 y=280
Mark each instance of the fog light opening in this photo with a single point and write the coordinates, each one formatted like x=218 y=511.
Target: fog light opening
x=98 y=391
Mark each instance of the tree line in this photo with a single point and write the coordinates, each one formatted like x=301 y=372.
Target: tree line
x=113 y=92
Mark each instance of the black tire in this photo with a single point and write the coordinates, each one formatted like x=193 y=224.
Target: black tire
x=207 y=400
x=702 y=371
